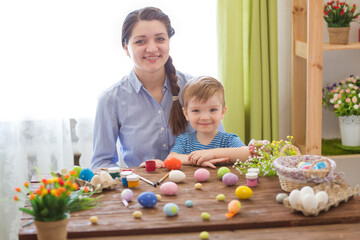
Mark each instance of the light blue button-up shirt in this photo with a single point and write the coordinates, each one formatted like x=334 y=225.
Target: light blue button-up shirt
x=127 y=111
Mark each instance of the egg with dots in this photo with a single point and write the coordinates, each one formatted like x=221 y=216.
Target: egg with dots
x=233 y=207
x=230 y=179
x=147 y=199
x=177 y=176
x=202 y=175
x=172 y=163
x=169 y=188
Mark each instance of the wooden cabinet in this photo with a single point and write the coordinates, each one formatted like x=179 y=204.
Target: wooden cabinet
x=307 y=67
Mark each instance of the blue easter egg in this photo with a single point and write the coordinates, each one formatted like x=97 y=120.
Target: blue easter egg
x=171 y=209
x=147 y=199
x=86 y=174
x=319 y=165
x=189 y=203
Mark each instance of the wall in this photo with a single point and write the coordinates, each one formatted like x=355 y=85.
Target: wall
x=336 y=66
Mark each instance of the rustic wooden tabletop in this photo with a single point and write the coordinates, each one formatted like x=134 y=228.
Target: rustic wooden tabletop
x=259 y=216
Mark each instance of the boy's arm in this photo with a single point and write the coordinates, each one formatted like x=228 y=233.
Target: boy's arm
x=232 y=154
x=185 y=160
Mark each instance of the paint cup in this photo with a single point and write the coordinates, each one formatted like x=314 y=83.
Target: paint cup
x=150 y=165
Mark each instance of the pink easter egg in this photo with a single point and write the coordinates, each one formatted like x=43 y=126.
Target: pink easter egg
x=169 y=188
x=202 y=175
x=230 y=179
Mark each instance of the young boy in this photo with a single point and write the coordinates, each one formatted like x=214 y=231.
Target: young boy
x=204 y=107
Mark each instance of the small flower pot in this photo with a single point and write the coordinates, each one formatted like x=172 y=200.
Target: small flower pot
x=339 y=35
x=350 y=130
x=55 y=230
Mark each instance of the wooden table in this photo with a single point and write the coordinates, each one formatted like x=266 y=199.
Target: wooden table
x=260 y=216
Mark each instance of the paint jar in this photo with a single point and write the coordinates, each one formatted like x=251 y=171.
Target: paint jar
x=133 y=181
x=254 y=170
x=114 y=172
x=124 y=175
x=251 y=179
x=150 y=165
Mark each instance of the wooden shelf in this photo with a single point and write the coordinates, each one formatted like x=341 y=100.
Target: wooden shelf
x=350 y=45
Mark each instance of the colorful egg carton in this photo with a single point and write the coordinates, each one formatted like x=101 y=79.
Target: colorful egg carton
x=337 y=193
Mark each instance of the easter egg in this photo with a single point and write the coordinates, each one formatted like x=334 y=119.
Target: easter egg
x=220 y=197
x=234 y=206
x=205 y=216
x=189 y=203
x=304 y=166
x=147 y=199
x=319 y=165
x=177 y=176
x=204 y=235
x=222 y=171
x=127 y=194
x=172 y=163
x=169 y=188
x=309 y=202
x=94 y=219
x=230 y=179
x=243 y=192
x=106 y=178
x=158 y=197
x=86 y=174
x=202 y=175
x=295 y=197
x=137 y=214
x=198 y=186
x=322 y=197
x=77 y=169
x=280 y=197
x=171 y=209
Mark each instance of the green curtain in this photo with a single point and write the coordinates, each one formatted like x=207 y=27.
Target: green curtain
x=248 y=68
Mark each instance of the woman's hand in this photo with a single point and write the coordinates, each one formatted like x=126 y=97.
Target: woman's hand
x=159 y=163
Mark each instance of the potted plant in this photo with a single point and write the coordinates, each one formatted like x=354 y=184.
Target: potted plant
x=52 y=202
x=343 y=98
x=338 y=16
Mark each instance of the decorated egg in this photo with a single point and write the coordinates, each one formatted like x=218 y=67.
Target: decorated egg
x=86 y=174
x=322 y=197
x=309 y=202
x=202 y=175
x=233 y=207
x=222 y=171
x=171 y=209
x=189 y=203
x=319 y=165
x=304 y=166
x=177 y=176
x=77 y=169
x=198 y=186
x=230 y=179
x=172 y=163
x=205 y=216
x=147 y=199
x=127 y=194
x=220 y=197
x=295 y=197
x=169 y=188
x=106 y=178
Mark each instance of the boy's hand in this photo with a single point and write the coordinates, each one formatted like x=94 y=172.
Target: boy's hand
x=159 y=163
x=201 y=157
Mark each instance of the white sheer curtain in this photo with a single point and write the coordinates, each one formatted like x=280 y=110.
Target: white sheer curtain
x=55 y=59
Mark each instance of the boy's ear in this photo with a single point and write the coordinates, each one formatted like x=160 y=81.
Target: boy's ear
x=185 y=114
x=223 y=112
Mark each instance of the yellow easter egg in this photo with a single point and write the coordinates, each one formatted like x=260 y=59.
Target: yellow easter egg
x=243 y=192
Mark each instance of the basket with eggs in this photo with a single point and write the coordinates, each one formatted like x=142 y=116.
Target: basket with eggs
x=299 y=170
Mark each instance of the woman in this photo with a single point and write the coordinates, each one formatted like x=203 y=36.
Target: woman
x=143 y=110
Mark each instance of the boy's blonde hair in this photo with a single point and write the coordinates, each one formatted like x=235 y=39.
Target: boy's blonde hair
x=202 y=88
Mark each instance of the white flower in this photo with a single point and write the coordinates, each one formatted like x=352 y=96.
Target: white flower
x=356 y=106
x=351 y=85
x=332 y=100
x=336 y=95
x=339 y=102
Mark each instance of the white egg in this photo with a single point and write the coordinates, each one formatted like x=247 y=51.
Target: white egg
x=280 y=197
x=106 y=178
x=307 y=190
x=177 y=176
x=295 y=197
x=322 y=197
x=309 y=202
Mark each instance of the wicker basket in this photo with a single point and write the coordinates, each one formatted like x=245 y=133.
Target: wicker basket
x=291 y=177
